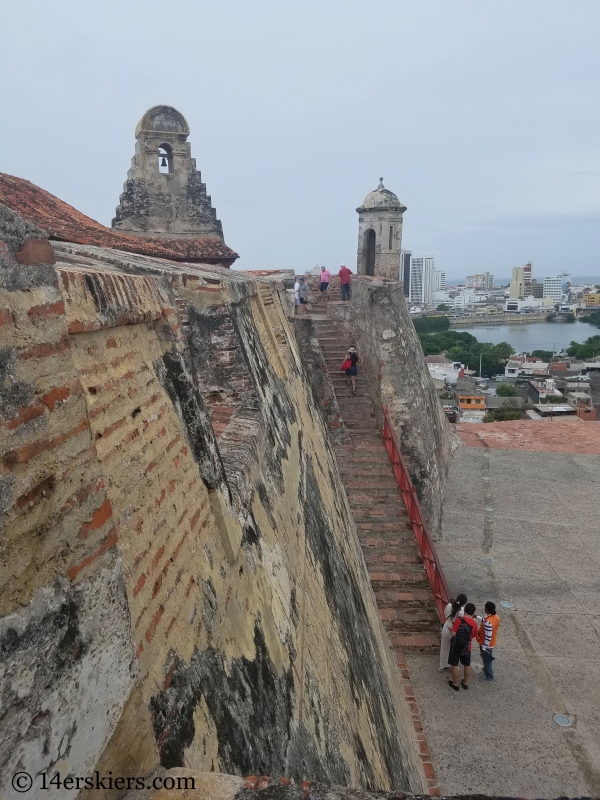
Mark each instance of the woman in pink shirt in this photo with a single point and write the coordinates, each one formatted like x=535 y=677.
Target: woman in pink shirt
x=325 y=278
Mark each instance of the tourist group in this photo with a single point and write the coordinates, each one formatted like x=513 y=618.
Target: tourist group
x=461 y=627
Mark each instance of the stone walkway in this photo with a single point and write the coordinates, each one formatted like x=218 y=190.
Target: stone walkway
x=522 y=524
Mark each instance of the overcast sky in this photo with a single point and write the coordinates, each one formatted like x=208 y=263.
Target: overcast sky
x=482 y=115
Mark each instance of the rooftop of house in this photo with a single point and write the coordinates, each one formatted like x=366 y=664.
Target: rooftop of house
x=439 y=359
x=67 y=224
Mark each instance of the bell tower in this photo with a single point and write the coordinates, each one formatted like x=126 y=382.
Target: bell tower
x=163 y=195
x=380 y=234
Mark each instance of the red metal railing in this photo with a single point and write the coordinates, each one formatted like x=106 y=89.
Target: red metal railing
x=417 y=520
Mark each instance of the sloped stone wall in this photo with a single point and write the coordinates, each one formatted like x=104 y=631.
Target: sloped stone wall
x=170 y=597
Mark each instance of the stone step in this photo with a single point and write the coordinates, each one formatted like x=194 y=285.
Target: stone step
x=392 y=597
x=370 y=528
x=410 y=620
x=366 y=458
x=357 y=500
x=426 y=642
x=372 y=468
x=398 y=578
x=367 y=515
x=387 y=558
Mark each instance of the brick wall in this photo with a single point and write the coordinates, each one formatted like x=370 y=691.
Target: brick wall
x=196 y=581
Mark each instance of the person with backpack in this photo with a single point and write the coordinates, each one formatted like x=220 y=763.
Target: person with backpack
x=486 y=637
x=464 y=631
x=454 y=608
x=350 y=368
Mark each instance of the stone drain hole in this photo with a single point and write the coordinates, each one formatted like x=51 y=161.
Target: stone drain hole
x=562 y=720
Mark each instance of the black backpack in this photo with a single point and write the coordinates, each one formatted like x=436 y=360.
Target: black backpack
x=462 y=638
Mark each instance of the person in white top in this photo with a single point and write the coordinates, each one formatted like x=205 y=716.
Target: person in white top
x=455 y=608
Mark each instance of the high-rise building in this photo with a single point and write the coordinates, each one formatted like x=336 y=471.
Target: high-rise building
x=422 y=280
x=439 y=280
x=521 y=281
x=481 y=280
x=537 y=289
x=558 y=287
x=405 y=259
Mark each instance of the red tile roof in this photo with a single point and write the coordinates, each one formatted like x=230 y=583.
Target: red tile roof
x=64 y=222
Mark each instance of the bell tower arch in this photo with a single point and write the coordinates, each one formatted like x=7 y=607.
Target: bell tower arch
x=164 y=195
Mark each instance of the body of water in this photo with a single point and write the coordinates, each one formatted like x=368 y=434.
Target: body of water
x=537 y=336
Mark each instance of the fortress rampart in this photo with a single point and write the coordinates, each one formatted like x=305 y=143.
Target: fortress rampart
x=182 y=583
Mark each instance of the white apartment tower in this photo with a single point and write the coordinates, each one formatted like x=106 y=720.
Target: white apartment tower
x=422 y=280
x=556 y=286
x=481 y=280
x=439 y=281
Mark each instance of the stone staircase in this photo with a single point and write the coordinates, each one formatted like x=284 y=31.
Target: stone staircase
x=397 y=573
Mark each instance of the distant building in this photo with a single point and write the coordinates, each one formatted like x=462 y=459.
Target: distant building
x=521 y=281
x=518 y=366
x=421 y=280
x=537 y=289
x=441 y=367
x=439 y=281
x=481 y=280
x=527 y=303
x=471 y=405
x=557 y=287
x=591 y=299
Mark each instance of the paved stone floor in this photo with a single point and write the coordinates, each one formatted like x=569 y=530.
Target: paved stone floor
x=536 y=513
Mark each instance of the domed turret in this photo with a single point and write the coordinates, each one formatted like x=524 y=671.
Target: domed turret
x=381 y=198
x=380 y=233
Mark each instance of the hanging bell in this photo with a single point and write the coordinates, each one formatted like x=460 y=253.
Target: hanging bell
x=163 y=163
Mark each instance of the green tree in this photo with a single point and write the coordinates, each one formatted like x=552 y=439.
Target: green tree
x=431 y=324
x=545 y=355
x=443 y=307
x=508 y=411
x=570 y=317
x=504 y=351
x=593 y=317
x=589 y=349
x=552 y=398
x=506 y=390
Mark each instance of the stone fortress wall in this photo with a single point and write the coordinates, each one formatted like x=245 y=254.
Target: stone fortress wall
x=182 y=583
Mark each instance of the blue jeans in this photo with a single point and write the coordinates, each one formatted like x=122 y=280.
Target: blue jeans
x=345 y=291
x=487 y=658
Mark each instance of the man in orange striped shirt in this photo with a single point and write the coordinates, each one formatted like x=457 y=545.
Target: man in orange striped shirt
x=486 y=636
